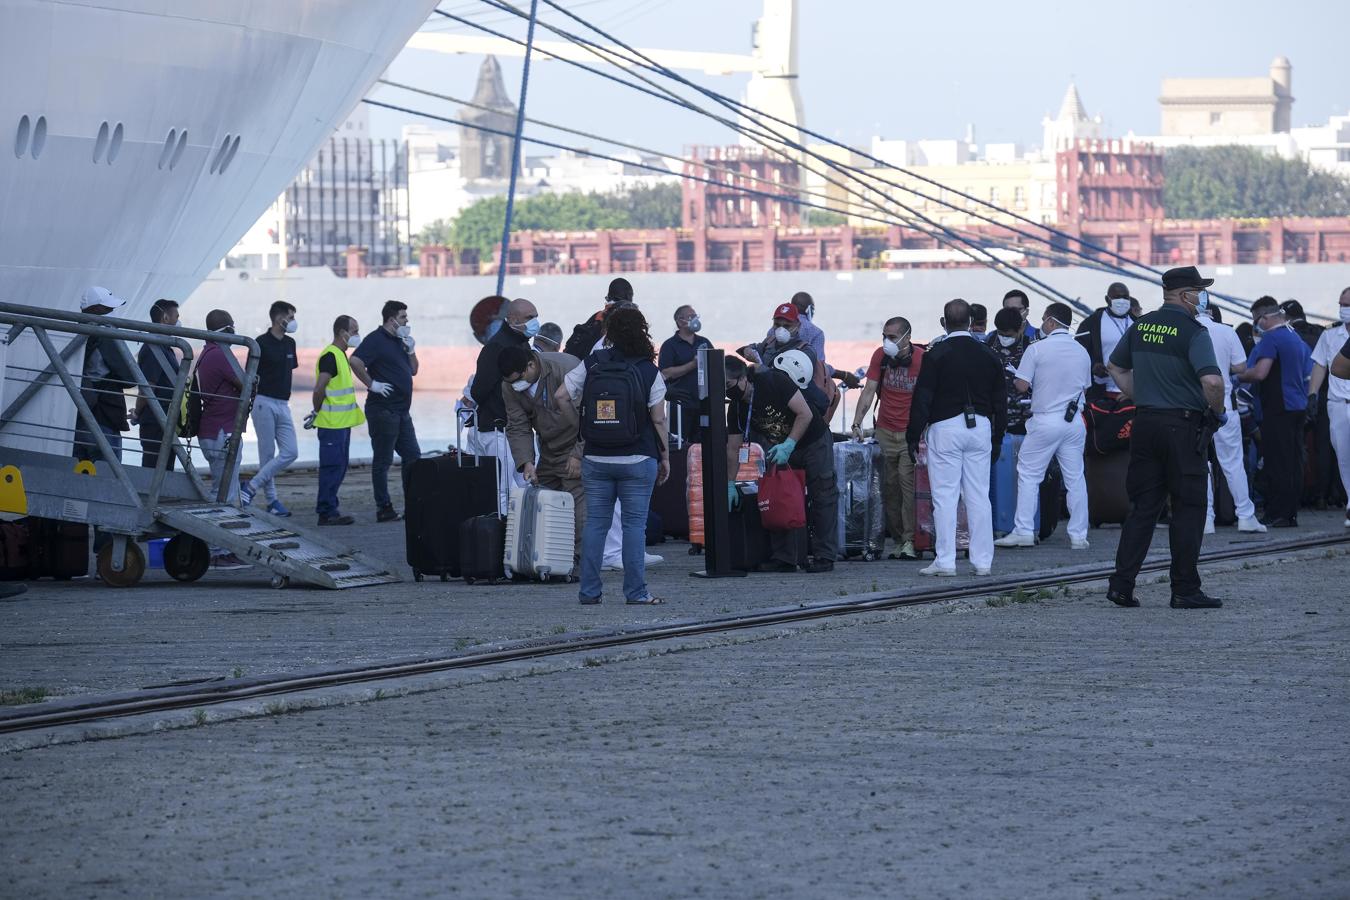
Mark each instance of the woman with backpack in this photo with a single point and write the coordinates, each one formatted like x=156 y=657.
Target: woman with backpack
x=623 y=448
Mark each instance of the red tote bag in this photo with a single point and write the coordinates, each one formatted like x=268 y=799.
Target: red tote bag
x=782 y=499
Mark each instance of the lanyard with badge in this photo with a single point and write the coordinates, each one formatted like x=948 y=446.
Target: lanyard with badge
x=744 y=456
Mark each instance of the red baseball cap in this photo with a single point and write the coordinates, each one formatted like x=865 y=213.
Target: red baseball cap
x=787 y=311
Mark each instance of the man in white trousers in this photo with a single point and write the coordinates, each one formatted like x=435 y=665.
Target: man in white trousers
x=1338 y=390
x=960 y=399
x=1057 y=370
x=1232 y=357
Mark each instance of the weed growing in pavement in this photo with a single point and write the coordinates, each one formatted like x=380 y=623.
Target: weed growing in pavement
x=275 y=708
x=1021 y=595
x=22 y=696
x=238 y=672
x=199 y=716
x=591 y=661
x=462 y=643
x=559 y=629
x=379 y=694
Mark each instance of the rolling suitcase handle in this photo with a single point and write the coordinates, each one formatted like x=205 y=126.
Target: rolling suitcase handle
x=678 y=433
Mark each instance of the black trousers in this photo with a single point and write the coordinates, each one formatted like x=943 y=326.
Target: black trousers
x=1164 y=463
x=821 y=536
x=1282 y=449
x=151 y=436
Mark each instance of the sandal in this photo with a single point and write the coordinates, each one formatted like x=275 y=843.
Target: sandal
x=648 y=600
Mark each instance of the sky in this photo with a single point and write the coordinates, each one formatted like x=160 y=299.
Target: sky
x=907 y=70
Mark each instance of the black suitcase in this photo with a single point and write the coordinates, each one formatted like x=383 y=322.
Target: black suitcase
x=43 y=548
x=749 y=542
x=1225 y=510
x=443 y=491
x=1052 y=500
x=482 y=549
x=669 y=500
x=1108 y=503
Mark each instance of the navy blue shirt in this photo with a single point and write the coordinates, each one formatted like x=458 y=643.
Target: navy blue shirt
x=1285 y=388
x=387 y=361
x=676 y=351
x=160 y=376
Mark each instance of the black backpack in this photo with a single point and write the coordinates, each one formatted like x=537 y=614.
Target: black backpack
x=613 y=404
x=190 y=420
x=584 y=337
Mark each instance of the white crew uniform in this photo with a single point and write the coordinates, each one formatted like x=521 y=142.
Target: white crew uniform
x=1338 y=396
x=1059 y=370
x=1228 y=352
x=958 y=470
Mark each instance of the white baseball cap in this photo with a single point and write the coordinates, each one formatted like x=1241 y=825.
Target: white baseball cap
x=100 y=296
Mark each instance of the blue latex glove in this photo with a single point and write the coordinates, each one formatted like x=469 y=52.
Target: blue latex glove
x=778 y=454
x=733 y=495
x=1223 y=419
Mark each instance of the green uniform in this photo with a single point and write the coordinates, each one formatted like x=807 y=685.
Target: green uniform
x=1168 y=351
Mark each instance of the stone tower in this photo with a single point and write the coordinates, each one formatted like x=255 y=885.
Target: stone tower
x=482 y=154
x=1282 y=74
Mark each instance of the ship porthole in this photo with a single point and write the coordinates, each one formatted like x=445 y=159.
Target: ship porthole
x=39 y=137
x=178 y=151
x=168 y=148
x=220 y=153
x=21 y=137
x=115 y=145
x=101 y=142
x=229 y=155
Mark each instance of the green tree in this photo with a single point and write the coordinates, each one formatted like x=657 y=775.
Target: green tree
x=434 y=234
x=479 y=225
x=1244 y=182
x=822 y=218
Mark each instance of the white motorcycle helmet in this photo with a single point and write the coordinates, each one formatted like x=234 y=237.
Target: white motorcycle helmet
x=796 y=365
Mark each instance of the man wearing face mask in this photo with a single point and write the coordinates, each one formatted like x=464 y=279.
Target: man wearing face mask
x=1166 y=363
x=1056 y=370
x=1229 y=354
x=1338 y=390
x=522 y=324
x=549 y=338
x=272 y=409
x=1009 y=342
x=979 y=319
x=891 y=376
x=530 y=381
x=220 y=380
x=335 y=414
x=389 y=355
x=1100 y=332
x=785 y=335
x=678 y=361
x=1017 y=299
x=1280 y=366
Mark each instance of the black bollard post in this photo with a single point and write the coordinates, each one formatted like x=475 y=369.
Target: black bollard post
x=712 y=392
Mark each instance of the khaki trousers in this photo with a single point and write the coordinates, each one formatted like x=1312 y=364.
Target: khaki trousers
x=553 y=477
x=897 y=484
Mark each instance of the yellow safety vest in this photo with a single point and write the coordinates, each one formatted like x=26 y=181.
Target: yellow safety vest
x=339 y=408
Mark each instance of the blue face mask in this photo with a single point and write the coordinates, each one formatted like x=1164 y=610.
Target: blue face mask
x=530 y=328
x=1202 y=302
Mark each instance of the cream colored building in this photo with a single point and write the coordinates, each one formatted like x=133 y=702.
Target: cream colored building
x=1025 y=186
x=1231 y=107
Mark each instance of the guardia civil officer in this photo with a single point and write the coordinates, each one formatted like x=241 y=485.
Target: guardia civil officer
x=1166 y=363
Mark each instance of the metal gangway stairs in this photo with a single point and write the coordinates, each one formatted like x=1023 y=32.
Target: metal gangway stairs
x=51 y=470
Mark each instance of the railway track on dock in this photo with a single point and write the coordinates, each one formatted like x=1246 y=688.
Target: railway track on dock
x=76 y=710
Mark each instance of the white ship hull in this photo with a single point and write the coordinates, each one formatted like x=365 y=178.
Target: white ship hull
x=211 y=108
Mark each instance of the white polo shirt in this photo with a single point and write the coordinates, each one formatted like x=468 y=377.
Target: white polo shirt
x=1058 y=370
x=1228 y=351
x=1328 y=345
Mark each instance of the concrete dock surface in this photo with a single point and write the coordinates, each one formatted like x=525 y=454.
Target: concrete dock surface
x=1044 y=746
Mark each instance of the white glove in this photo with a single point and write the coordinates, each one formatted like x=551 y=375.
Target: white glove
x=409 y=343
x=383 y=388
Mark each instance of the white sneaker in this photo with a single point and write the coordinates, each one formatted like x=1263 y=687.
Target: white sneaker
x=1254 y=526
x=653 y=560
x=1209 y=526
x=1079 y=545
x=937 y=570
x=1016 y=539
x=983 y=573
x=616 y=564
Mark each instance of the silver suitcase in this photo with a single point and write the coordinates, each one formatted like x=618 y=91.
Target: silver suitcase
x=862 y=521
x=540 y=534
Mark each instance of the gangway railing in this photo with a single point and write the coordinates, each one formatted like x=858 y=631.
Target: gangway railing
x=125 y=503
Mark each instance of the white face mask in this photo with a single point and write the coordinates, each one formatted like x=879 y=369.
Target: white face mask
x=1006 y=341
x=1120 y=307
x=1345 y=314
x=292 y=326
x=782 y=335
x=404 y=331
x=521 y=385
x=353 y=341
x=890 y=348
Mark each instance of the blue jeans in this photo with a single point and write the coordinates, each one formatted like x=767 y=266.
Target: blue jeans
x=334 y=447
x=631 y=484
x=390 y=430
x=87 y=448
